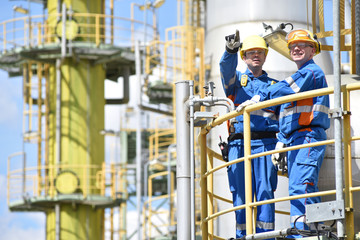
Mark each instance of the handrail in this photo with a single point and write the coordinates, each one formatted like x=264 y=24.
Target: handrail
x=148 y=212
x=18 y=32
x=101 y=179
x=249 y=205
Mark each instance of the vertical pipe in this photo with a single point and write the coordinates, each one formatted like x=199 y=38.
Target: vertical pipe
x=357 y=35
x=29 y=28
x=138 y=139
x=182 y=161
x=337 y=119
x=146 y=197
x=58 y=141
x=170 y=148
x=39 y=143
x=112 y=20
x=192 y=165
x=58 y=116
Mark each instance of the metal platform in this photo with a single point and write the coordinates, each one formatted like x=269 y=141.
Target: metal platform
x=44 y=203
x=113 y=57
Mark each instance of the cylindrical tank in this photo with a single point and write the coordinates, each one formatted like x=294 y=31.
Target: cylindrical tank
x=223 y=18
x=82 y=119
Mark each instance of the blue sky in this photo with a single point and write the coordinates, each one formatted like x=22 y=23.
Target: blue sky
x=21 y=225
x=13 y=226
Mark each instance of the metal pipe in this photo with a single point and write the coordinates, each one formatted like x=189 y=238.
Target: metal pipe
x=138 y=139
x=182 y=161
x=170 y=149
x=337 y=118
x=192 y=162
x=212 y=100
x=146 y=170
x=58 y=124
x=357 y=35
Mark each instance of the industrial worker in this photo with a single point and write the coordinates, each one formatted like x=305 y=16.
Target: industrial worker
x=301 y=122
x=240 y=87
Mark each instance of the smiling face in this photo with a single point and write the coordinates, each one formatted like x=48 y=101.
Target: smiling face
x=254 y=59
x=301 y=52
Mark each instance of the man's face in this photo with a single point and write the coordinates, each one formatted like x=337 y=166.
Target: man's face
x=301 y=52
x=254 y=57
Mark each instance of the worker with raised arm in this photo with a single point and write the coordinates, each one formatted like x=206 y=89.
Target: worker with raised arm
x=240 y=87
x=301 y=122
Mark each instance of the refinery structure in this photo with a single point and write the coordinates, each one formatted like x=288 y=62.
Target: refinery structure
x=163 y=158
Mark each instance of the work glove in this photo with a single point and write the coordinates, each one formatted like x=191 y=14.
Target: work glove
x=280 y=159
x=233 y=42
x=253 y=100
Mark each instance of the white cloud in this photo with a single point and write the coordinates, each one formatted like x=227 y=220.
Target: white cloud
x=19 y=233
x=19 y=226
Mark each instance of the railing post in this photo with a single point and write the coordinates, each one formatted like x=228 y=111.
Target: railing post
x=349 y=214
x=203 y=186
x=97 y=29
x=248 y=181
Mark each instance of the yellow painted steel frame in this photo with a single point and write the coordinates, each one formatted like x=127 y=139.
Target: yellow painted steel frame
x=94 y=28
x=321 y=33
x=147 y=215
x=103 y=180
x=207 y=170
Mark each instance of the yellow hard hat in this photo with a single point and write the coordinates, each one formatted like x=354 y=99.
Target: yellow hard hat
x=303 y=35
x=253 y=41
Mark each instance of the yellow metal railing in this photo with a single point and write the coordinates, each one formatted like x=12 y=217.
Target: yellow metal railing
x=207 y=169
x=85 y=27
x=159 y=142
x=151 y=207
x=320 y=31
x=102 y=180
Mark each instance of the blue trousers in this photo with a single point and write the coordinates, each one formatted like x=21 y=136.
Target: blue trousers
x=303 y=166
x=264 y=182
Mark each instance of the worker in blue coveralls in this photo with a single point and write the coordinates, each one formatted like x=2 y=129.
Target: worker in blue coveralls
x=240 y=87
x=301 y=122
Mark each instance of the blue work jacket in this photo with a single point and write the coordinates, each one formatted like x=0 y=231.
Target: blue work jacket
x=303 y=116
x=238 y=92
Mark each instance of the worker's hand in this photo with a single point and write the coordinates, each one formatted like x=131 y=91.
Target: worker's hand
x=280 y=159
x=233 y=42
x=275 y=158
x=253 y=100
